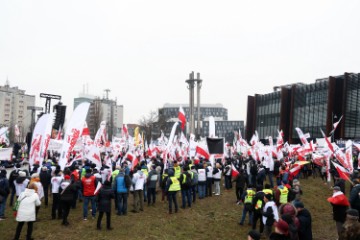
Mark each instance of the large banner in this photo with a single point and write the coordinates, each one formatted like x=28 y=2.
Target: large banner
x=40 y=139
x=73 y=132
x=5 y=154
x=215 y=145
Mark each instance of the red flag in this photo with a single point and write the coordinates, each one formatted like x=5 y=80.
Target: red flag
x=125 y=131
x=330 y=146
x=134 y=163
x=182 y=117
x=295 y=170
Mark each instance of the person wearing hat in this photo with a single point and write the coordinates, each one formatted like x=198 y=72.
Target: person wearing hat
x=304 y=216
x=21 y=183
x=139 y=180
x=351 y=227
x=13 y=175
x=68 y=188
x=254 y=235
x=281 y=231
x=35 y=178
x=172 y=187
x=270 y=214
x=340 y=204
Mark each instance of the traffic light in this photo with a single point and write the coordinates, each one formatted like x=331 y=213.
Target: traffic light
x=60 y=115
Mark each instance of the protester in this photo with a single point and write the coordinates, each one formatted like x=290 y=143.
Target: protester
x=201 y=181
x=258 y=206
x=340 y=204
x=304 y=216
x=281 y=231
x=40 y=190
x=139 y=180
x=247 y=198
x=68 y=188
x=185 y=182
x=88 y=186
x=13 y=176
x=21 y=183
x=354 y=198
x=172 y=187
x=104 y=204
x=122 y=185
x=241 y=182
x=26 y=211
x=152 y=181
x=55 y=186
x=209 y=179
x=4 y=192
x=45 y=179
x=351 y=227
x=254 y=235
x=270 y=214
x=194 y=182
x=217 y=177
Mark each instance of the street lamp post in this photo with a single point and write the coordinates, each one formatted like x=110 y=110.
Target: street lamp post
x=333 y=116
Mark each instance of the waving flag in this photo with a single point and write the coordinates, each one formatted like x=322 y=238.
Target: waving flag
x=335 y=125
x=182 y=117
x=343 y=173
x=234 y=171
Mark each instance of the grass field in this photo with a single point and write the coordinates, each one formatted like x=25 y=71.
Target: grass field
x=210 y=218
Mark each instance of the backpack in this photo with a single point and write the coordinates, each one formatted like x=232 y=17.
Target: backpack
x=188 y=180
x=195 y=179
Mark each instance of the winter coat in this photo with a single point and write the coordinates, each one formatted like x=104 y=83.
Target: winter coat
x=153 y=179
x=350 y=230
x=20 y=184
x=305 y=231
x=104 y=199
x=354 y=198
x=45 y=178
x=68 y=190
x=4 y=186
x=340 y=204
x=139 y=179
x=270 y=213
x=122 y=183
x=29 y=200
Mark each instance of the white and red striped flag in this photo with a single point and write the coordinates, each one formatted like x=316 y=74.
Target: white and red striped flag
x=343 y=173
x=182 y=117
x=234 y=171
x=335 y=125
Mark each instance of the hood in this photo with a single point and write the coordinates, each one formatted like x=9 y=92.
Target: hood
x=20 y=179
x=29 y=192
x=88 y=175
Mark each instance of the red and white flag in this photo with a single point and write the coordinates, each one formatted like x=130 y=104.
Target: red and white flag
x=343 y=173
x=234 y=171
x=335 y=125
x=125 y=132
x=202 y=151
x=98 y=187
x=295 y=170
x=182 y=117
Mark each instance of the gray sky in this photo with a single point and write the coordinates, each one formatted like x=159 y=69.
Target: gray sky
x=144 y=50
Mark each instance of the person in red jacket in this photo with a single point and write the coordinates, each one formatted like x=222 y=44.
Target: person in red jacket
x=88 y=184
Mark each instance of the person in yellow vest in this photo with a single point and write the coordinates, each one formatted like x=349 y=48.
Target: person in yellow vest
x=177 y=170
x=258 y=205
x=247 y=198
x=172 y=187
x=281 y=194
x=268 y=190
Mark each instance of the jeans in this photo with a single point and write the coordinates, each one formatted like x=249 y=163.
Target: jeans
x=171 y=199
x=217 y=187
x=86 y=204
x=2 y=207
x=202 y=189
x=151 y=194
x=244 y=215
x=186 y=194
x=122 y=203
x=19 y=228
x=193 y=192
x=145 y=193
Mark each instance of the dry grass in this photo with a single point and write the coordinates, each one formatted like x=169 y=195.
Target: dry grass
x=210 y=218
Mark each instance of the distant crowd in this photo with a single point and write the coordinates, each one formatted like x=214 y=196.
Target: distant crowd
x=269 y=194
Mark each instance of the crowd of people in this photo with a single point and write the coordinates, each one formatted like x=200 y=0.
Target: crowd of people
x=276 y=204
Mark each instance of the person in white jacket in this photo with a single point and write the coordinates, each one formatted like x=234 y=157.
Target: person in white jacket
x=29 y=199
x=270 y=214
x=139 y=180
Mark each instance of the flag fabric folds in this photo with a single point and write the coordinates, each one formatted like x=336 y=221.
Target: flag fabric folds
x=215 y=145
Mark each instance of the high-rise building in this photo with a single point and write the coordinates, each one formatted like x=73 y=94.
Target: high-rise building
x=102 y=109
x=13 y=109
x=310 y=107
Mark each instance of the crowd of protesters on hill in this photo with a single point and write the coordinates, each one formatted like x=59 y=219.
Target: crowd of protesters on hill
x=270 y=195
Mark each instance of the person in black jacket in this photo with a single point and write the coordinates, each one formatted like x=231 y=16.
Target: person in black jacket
x=258 y=205
x=104 y=204
x=4 y=192
x=45 y=179
x=304 y=216
x=241 y=182
x=67 y=191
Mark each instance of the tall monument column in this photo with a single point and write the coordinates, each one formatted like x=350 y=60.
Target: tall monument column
x=191 y=85
x=199 y=84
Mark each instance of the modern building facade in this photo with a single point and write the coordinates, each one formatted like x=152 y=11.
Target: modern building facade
x=310 y=107
x=223 y=127
x=102 y=109
x=13 y=109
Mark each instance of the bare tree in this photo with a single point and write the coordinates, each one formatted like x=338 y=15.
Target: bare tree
x=152 y=124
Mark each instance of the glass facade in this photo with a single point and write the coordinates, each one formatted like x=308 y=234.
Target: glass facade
x=352 y=106
x=268 y=114
x=224 y=129
x=310 y=108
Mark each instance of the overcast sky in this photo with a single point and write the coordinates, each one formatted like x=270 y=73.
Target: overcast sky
x=144 y=50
